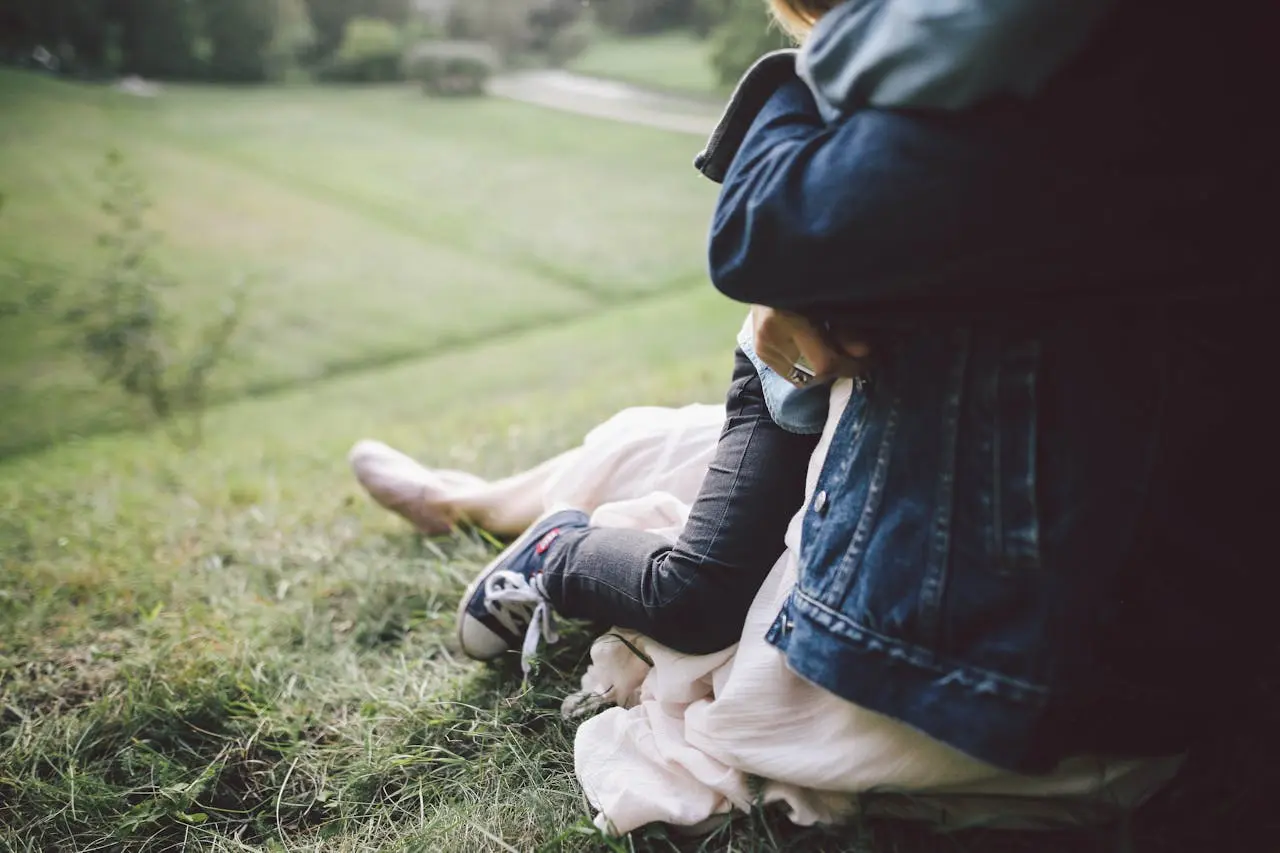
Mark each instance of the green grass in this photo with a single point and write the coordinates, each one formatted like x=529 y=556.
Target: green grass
x=675 y=62
x=370 y=228
x=230 y=648
x=241 y=621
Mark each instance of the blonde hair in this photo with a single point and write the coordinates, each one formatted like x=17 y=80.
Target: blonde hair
x=797 y=17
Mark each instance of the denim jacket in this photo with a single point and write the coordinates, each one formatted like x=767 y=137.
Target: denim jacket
x=990 y=556
x=934 y=54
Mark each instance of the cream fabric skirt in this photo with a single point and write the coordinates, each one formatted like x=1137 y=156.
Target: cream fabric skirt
x=687 y=739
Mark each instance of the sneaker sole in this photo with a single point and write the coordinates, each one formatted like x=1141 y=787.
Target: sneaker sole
x=520 y=541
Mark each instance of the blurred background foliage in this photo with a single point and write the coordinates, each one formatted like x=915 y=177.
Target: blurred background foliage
x=341 y=41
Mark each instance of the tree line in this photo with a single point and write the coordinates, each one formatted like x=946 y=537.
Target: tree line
x=258 y=40
x=220 y=40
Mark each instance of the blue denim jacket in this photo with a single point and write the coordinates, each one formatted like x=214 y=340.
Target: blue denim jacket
x=1005 y=543
x=930 y=54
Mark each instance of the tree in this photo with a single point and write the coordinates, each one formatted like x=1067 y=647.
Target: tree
x=709 y=14
x=84 y=26
x=556 y=23
x=240 y=33
x=158 y=38
x=504 y=24
x=746 y=34
x=76 y=30
x=330 y=18
x=645 y=16
x=394 y=11
x=370 y=52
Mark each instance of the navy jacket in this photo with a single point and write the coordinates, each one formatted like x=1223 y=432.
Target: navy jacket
x=1010 y=539
x=1146 y=150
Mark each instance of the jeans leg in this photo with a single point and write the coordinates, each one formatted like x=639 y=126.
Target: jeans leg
x=694 y=597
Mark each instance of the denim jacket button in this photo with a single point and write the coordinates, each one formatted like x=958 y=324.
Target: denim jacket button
x=820 y=503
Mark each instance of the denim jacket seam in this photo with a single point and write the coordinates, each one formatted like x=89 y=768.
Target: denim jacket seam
x=921 y=657
x=846 y=569
x=1033 y=497
x=996 y=543
x=1015 y=541
x=935 y=573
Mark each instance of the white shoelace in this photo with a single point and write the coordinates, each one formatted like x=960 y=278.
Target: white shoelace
x=521 y=605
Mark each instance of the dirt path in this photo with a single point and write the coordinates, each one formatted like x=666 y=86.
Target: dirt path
x=562 y=90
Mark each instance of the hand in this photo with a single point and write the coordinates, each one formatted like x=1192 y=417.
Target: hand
x=783 y=339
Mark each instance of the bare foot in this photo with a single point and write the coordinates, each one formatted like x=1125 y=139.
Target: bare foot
x=421 y=496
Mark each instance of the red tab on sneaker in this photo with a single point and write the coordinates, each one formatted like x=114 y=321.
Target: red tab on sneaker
x=545 y=542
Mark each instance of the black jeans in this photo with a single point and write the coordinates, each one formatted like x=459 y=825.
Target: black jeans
x=694 y=597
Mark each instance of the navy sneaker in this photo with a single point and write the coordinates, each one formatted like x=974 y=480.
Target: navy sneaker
x=506 y=607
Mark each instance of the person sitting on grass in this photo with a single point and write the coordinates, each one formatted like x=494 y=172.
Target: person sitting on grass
x=996 y=561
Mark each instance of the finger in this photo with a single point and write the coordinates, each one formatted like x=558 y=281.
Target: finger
x=825 y=361
x=843 y=367
x=772 y=337
x=777 y=330
x=776 y=350
x=781 y=363
x=830 y=364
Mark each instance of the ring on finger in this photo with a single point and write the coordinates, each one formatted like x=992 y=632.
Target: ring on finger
x=800 y=375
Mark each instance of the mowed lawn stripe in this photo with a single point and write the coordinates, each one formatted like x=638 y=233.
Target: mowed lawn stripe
x=614 y=204
x=127 y=502
x=352 y=258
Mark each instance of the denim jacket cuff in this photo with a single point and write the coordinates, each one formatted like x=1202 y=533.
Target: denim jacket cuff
x=753 y=91
x=802 y=411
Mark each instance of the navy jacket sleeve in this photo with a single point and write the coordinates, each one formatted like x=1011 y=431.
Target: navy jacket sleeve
x=887 y=207
x=918 y=211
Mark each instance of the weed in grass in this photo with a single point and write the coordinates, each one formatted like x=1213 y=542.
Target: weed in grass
x=123 y=329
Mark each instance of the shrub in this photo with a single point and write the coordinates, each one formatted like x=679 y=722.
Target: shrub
x=570 y=42
x=370 y=53
x=557 y=29
x=451 y=68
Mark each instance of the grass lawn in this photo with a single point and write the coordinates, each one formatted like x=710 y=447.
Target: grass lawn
x=370 y=227
x=229 y=648
x=675 y=62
